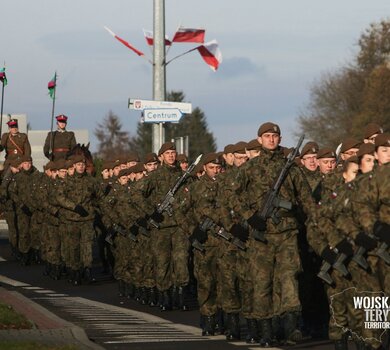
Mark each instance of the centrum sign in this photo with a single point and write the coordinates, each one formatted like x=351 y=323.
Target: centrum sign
x=140 y=105
x=162 y=115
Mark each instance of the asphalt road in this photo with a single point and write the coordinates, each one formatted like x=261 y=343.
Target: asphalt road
x=113 y=322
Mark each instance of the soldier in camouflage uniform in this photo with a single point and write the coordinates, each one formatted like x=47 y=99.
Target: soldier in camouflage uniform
x=20 y=194
x=60 y=142
x=15 y=143
x=7 y=205
x=198 y=203
x=169 y=245
x=274 y=265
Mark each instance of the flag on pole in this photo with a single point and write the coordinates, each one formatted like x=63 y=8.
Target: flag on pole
x=124 y=42
x=149 y=38
x=3 y=77
x=211 y=54
x=189 y=35
x=51 y=85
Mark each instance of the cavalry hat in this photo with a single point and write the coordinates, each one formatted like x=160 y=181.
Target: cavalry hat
x=268 y=127
x=138 y=168
x=124 y=172
x=133 y=157
x=326 y=152
x=62 y=118
x=12 y=123
x=372 y=129
x=382 y=140
x=15 y=162
x=366 y=148
x=239 y=147
x=349 y=143
x=228 y=149
x=61 y=164
x=182 y=158
x=310 y=147
x=78 y=159
x=253 y=145
x=211 y=158
x=150 y=158
x=25 y=158
x=108 y=164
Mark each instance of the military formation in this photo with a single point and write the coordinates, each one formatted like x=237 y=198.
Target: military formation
x=259 y=232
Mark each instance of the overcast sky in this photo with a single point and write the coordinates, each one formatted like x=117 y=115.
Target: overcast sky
x=272 y=51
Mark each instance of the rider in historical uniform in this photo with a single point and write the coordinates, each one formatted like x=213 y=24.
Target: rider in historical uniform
x=60 y=142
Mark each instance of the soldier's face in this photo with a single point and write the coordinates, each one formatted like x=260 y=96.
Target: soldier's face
x=309 y=161
x=151 y=166
x=14 y=130
x=269 y=140
x=62 y=173
x=54 y=174
x=382 y=154
x=229 y=158
x=105 y=174
x=79 y=167
x=123 y=180
x=239 y=159
x=326 y=165
x=116 y=171
x=351 y=172
x=130 y=164
x=184 y=166
x=367 y=163
x=349 y=153
x=371 y=139
x=169 y=157
x=71 y=171
x=212 y=169
x=26 y=166
x=139 y=176
x=61 y=125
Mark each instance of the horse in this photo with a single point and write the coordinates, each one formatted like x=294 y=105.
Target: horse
x=84 y=150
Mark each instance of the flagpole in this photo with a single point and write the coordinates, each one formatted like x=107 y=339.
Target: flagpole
x=182 y=54
x=52 y=119
x=2 y=105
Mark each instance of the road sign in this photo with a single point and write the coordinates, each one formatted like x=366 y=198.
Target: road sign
x=162 y=115
x=140 y=105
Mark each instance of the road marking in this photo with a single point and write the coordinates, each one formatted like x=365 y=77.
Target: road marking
x=57 y=295
x=44 y=291
x=11 y=282
x=32 y=288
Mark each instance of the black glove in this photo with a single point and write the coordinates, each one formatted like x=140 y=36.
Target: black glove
x=257 y=222
x=240 y=232
x=157 y=217
x=142 y=222
x=329 y=255
x=80 y=210
x=199 y=235
x=345 y=247
x=365 y=241
x=134 y=230
x=382 y=231
x=26 y=210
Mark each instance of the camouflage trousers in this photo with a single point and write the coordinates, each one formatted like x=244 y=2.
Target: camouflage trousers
x=80 y=244
x=273 y=269
x=236 y=292
x=23 y=224
x=170 y=257
x=10 y=218
x=143 y=263
x=35 y=229
x=206 y=274
x=53 y=244
x=123 y=258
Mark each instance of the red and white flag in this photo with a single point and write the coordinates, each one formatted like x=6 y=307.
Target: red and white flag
x=189 y=35
x=124 y=42
x=211 y=54
x=149 y=38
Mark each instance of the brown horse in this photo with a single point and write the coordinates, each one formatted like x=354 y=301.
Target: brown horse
x=84 y=150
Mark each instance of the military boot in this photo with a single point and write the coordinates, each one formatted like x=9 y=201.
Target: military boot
x=265 y=326
x=220 y=322
x=167 y=301
x=292 y=334
x=233 y=327
x=121 y=288
x=182 y=299
x=77 y=278
x=25 y=259
x=208 y=325
x=361 y=345
x=88 y=276
x=175 y=297
x=47 y=269
x=153 y=297
x=71 y=276
x=253 y=331
x=137 y=293
x=143 y=296
x=341 y=344
x=129 y=290
x=55 y=273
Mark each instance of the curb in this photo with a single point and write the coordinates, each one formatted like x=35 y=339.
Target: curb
x=46 y=322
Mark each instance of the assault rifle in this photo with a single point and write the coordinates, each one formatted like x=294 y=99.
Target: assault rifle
x=337 y=265
x=115 y=229
x=166 y=204
x=208 y=223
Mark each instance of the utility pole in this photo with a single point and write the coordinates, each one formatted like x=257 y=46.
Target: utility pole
x=159 y=85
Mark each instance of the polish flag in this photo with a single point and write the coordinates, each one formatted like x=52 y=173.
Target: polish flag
x=211 y=54
x=149 y=38
x=124 y=42
x=189 y=35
